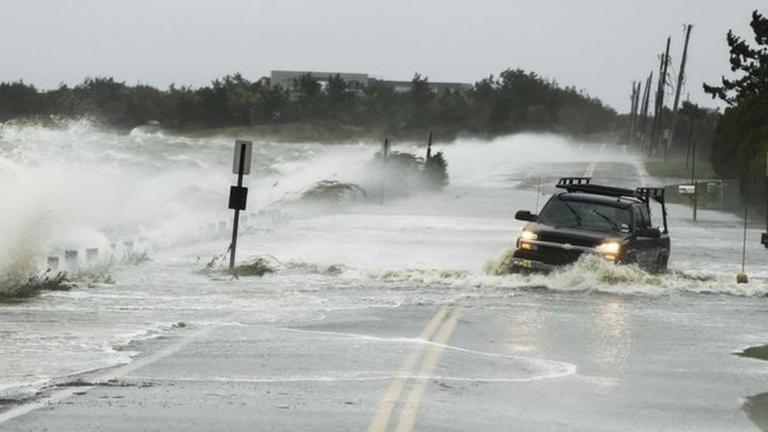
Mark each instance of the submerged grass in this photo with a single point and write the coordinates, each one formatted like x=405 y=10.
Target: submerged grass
x=14 y=291
x=676 y=168
x=17 y=290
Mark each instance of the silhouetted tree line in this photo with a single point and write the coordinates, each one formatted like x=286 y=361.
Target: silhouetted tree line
x=514 y=101
x=740 y=140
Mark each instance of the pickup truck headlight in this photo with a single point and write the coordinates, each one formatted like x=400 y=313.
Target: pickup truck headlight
x=525 y=239
x=610 y=250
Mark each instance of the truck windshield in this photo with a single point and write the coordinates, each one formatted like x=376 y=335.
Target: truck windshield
x=585 y=215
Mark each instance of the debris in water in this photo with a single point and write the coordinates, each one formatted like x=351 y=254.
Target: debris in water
x=258 y=267
x=334 y=191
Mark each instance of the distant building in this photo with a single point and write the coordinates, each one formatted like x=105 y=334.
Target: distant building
x=285 y=80
x=404 y=86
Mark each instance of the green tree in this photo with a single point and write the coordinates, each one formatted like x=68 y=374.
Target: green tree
x=750 y=62
x=740 y=140
x=18 y=99
x=421 y=98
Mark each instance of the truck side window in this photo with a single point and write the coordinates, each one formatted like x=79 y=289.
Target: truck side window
x=637 y=217
x=645 y=217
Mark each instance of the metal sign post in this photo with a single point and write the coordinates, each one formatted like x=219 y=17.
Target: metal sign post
x=238 y=195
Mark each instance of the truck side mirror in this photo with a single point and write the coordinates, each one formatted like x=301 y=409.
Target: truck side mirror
x=525 y=215
x=648 y=232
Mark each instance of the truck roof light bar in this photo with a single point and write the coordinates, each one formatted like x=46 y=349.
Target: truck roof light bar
x=567 y=181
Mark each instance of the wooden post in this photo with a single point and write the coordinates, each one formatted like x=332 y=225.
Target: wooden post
x=764 y=237
x=429 y=147
x=744 y=242
x=693 y=181
x=384 y=157
x=742 y=278
x=680 y=78
x=688 y=146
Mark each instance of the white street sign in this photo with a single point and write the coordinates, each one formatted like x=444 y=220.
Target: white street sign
x=239 y=146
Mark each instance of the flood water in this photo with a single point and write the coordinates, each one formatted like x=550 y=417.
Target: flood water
x=81 y=187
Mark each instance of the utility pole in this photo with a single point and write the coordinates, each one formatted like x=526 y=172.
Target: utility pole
x=657 y=119
x=644 y=110
x=663 y=91
x=633 y=111
x=657 y=97
x=680 y=79
x=636 y=88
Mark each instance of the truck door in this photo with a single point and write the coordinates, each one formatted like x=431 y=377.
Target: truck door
x=646 y=247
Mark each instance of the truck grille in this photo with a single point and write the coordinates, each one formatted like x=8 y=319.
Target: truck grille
x=550 y=255
x=562 y=239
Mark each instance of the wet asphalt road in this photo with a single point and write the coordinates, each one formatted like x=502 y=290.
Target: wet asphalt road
x=534 y=361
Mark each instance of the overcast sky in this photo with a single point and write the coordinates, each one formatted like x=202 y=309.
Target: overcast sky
x=596 y=45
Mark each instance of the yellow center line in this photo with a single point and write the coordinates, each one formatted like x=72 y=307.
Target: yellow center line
x=411 y=408
x=379 y=423
x=591 y=166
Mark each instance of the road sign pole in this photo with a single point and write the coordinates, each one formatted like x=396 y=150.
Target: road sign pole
x=238 y=194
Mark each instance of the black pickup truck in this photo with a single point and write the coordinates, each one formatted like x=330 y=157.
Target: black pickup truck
x=611 y=222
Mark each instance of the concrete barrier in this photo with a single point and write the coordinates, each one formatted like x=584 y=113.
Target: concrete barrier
x=53 y=263
x=71 y=264
x=92 y=257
